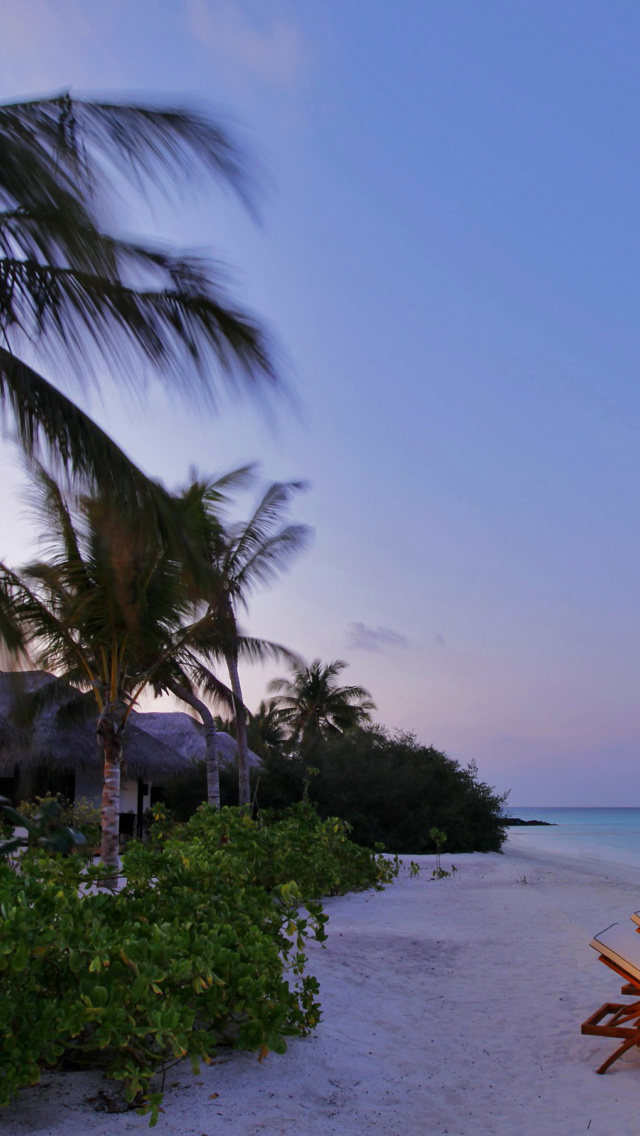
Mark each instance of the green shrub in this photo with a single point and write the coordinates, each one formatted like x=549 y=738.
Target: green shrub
x=296 y=844
x=80 y=815
x=205 y=943
x=391 y=790
x=41 y=827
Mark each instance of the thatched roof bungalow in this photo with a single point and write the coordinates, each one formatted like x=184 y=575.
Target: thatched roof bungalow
x=50 y=756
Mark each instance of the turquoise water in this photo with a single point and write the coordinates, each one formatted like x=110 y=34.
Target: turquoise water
x=608 y=836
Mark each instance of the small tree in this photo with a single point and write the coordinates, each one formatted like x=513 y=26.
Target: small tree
x=439 y=838
x=106 y=612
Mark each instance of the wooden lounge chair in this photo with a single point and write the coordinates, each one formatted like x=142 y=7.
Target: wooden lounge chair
x=619 y=949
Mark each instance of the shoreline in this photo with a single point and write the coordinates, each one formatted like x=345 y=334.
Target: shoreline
x=596 y=865
x=450 y=1006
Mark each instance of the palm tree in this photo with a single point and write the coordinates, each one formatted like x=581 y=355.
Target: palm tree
x=105 y=611
x=69 y=289
x=311 y=705
x=199 y=505
x=184 y=691
x=241 y=557
x=266 y=731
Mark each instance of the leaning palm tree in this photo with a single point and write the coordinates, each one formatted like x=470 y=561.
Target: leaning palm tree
x=105 y=610
x=72 y=293
x=243 y=556
x=311 y=704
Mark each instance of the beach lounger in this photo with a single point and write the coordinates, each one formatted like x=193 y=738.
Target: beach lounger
x=619 y=949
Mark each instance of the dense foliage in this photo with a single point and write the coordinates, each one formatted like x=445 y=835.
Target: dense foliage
x=205 y=943
x=391 y=790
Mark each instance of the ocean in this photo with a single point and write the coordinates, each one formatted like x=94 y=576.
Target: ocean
x=606 y=836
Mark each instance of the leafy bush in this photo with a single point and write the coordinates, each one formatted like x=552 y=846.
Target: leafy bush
x=298 y=844
x=392 y=790
x=205 y=943
x=42 y=828
x=79 y=814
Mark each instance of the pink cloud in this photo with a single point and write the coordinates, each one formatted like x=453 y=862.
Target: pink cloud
x=271 y=50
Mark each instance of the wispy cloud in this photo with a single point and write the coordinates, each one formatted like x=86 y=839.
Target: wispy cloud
x=269 y=47
x=365 y=638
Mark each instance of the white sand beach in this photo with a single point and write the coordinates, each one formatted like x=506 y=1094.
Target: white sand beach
x=450 y=1007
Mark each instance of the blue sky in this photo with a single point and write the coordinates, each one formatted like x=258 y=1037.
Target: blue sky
x=449 y=256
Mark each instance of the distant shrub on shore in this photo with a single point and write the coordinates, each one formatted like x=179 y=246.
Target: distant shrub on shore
x=391 y=790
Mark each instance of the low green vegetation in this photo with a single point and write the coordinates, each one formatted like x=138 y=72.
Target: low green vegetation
x=205 y=944
x=40 y=824
x=54 y=808
x=439 y=838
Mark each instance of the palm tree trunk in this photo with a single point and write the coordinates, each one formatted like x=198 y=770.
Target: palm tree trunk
x=109 y=732
x=210 y=741
x=244 y=786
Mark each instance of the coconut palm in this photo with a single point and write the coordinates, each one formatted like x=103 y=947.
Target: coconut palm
x=242 y=557
x=266 y=731
x=105 y=610
x=199 y=506
x=72 y=293
x=311 y=704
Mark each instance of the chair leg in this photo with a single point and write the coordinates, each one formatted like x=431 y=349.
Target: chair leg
x=615 y=1020
x=628 y=1044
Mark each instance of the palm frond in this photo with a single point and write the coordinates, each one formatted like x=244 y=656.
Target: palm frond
x=60 y=237
x=48 y=424
x=255 y=650
x=69 y=288
x=271 y=557
x=184 y=331
x=40 y=624
x=247 y=536
x=61 y=138
x=43 y=415
x=208 y=683
x=49 y=506
x=13 y=641
x=208 y=494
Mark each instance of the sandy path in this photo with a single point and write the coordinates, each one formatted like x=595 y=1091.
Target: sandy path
x=450 y=1007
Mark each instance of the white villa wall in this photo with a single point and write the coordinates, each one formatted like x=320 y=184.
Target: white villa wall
x=129 y=797
x=89 y=786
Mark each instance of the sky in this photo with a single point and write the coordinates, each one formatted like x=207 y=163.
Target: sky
x=448 y=254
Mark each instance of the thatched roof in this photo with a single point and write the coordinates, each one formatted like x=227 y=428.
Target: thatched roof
x=186 y=735
x=156 y=746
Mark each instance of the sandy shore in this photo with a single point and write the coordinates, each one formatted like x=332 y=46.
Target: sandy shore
x=450 y=1007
